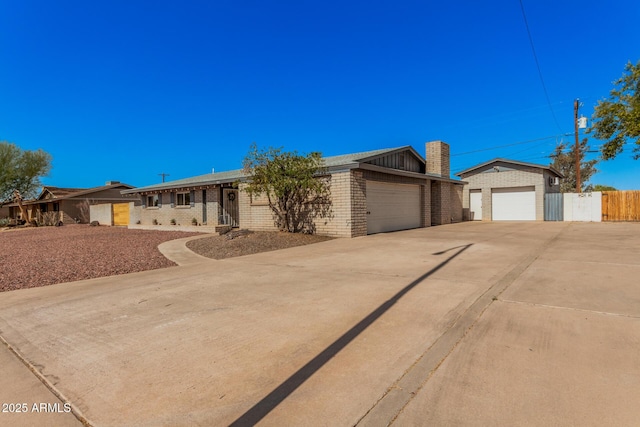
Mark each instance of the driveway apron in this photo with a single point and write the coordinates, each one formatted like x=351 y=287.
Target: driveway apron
x=394 y=327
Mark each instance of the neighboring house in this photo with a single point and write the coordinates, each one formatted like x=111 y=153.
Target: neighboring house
x=371 y=192
x=69 y=205
x=502 y=189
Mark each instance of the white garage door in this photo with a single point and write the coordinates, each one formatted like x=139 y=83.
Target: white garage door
x=392 y=207
x=513 y=204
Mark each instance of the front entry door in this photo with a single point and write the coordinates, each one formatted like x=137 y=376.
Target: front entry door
x=230 y=206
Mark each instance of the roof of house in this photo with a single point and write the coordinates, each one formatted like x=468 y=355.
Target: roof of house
x=58 y=192
x=364 y=156
x=332 y=162
x=50 y=193
x=206 y=179
x=513 y=162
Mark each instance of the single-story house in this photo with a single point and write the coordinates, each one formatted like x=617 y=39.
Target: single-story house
x=4 y=212
x=69 y=205
x=503 y=189
x=371 y=192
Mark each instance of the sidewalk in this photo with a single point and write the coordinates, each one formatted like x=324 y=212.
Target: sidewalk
x=21 y=390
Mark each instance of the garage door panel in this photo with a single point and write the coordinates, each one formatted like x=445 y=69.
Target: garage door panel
x=513 y=204
x=392 y=207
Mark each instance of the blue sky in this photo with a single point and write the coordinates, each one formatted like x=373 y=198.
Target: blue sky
x=126 y=90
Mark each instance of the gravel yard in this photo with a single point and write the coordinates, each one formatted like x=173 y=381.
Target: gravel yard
x=40 y=256
x=245 y=243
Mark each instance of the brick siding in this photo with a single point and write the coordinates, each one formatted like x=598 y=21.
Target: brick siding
x=457 y=212
x=520 y=176
x=183 y=215
x=255 y=214
x=438 y=158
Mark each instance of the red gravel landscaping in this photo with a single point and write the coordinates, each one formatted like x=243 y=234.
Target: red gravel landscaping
x=40 y=256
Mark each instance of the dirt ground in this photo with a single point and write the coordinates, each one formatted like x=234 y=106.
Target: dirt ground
x=40 y=256
x=246 y=243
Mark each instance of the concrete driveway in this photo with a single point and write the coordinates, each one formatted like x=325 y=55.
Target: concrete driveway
x=466 y=324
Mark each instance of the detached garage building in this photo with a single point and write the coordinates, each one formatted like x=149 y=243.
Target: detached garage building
x=508 y=190
x=371 y=192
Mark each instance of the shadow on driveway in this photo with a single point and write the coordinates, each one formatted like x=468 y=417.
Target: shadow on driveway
x=280 y=393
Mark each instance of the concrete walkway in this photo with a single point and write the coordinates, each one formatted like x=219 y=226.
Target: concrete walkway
x=177 y=251
x=467 y=324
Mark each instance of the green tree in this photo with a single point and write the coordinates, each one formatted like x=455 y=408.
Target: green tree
x=564 y=161
x=296 y=187
x=600 y=187
x=617 y=119
x=21 y=170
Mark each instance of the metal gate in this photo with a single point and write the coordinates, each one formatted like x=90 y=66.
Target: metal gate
x=230 y=214
x=553 y=207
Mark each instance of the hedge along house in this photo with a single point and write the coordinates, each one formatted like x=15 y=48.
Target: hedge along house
x=371 y=192
x=508 y=190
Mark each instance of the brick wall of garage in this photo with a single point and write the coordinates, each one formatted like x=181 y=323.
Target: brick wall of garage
x=440 y=202
x=348 y=216
x=457 y=211
x=488 y=179
x=359 y=204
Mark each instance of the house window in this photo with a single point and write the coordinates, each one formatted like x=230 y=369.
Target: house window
x=152 y=201
x=183 y=199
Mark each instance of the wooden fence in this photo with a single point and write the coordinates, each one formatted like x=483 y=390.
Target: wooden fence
x=621 y=205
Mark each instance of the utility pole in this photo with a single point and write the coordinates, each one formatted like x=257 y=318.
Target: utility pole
x=576 y=105
x=166 y=174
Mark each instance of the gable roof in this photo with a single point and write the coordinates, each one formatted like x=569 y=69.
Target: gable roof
x=50 y=193
x=68 y=193
x=365 y=156
x=332 y=163
x=513 y=162
x=57 y=192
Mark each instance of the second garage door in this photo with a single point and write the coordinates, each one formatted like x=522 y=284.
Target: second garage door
x=513 y=204
x=392 y=207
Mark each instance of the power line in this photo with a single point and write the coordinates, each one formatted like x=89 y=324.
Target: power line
x=510 y=145
x=535 y=57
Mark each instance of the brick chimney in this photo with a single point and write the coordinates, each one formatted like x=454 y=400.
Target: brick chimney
x=438 y=158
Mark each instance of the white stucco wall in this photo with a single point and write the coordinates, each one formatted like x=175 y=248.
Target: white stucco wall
x=101 y=213
x=583 y=207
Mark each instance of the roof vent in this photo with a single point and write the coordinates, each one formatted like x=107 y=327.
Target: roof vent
x=111 y=182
